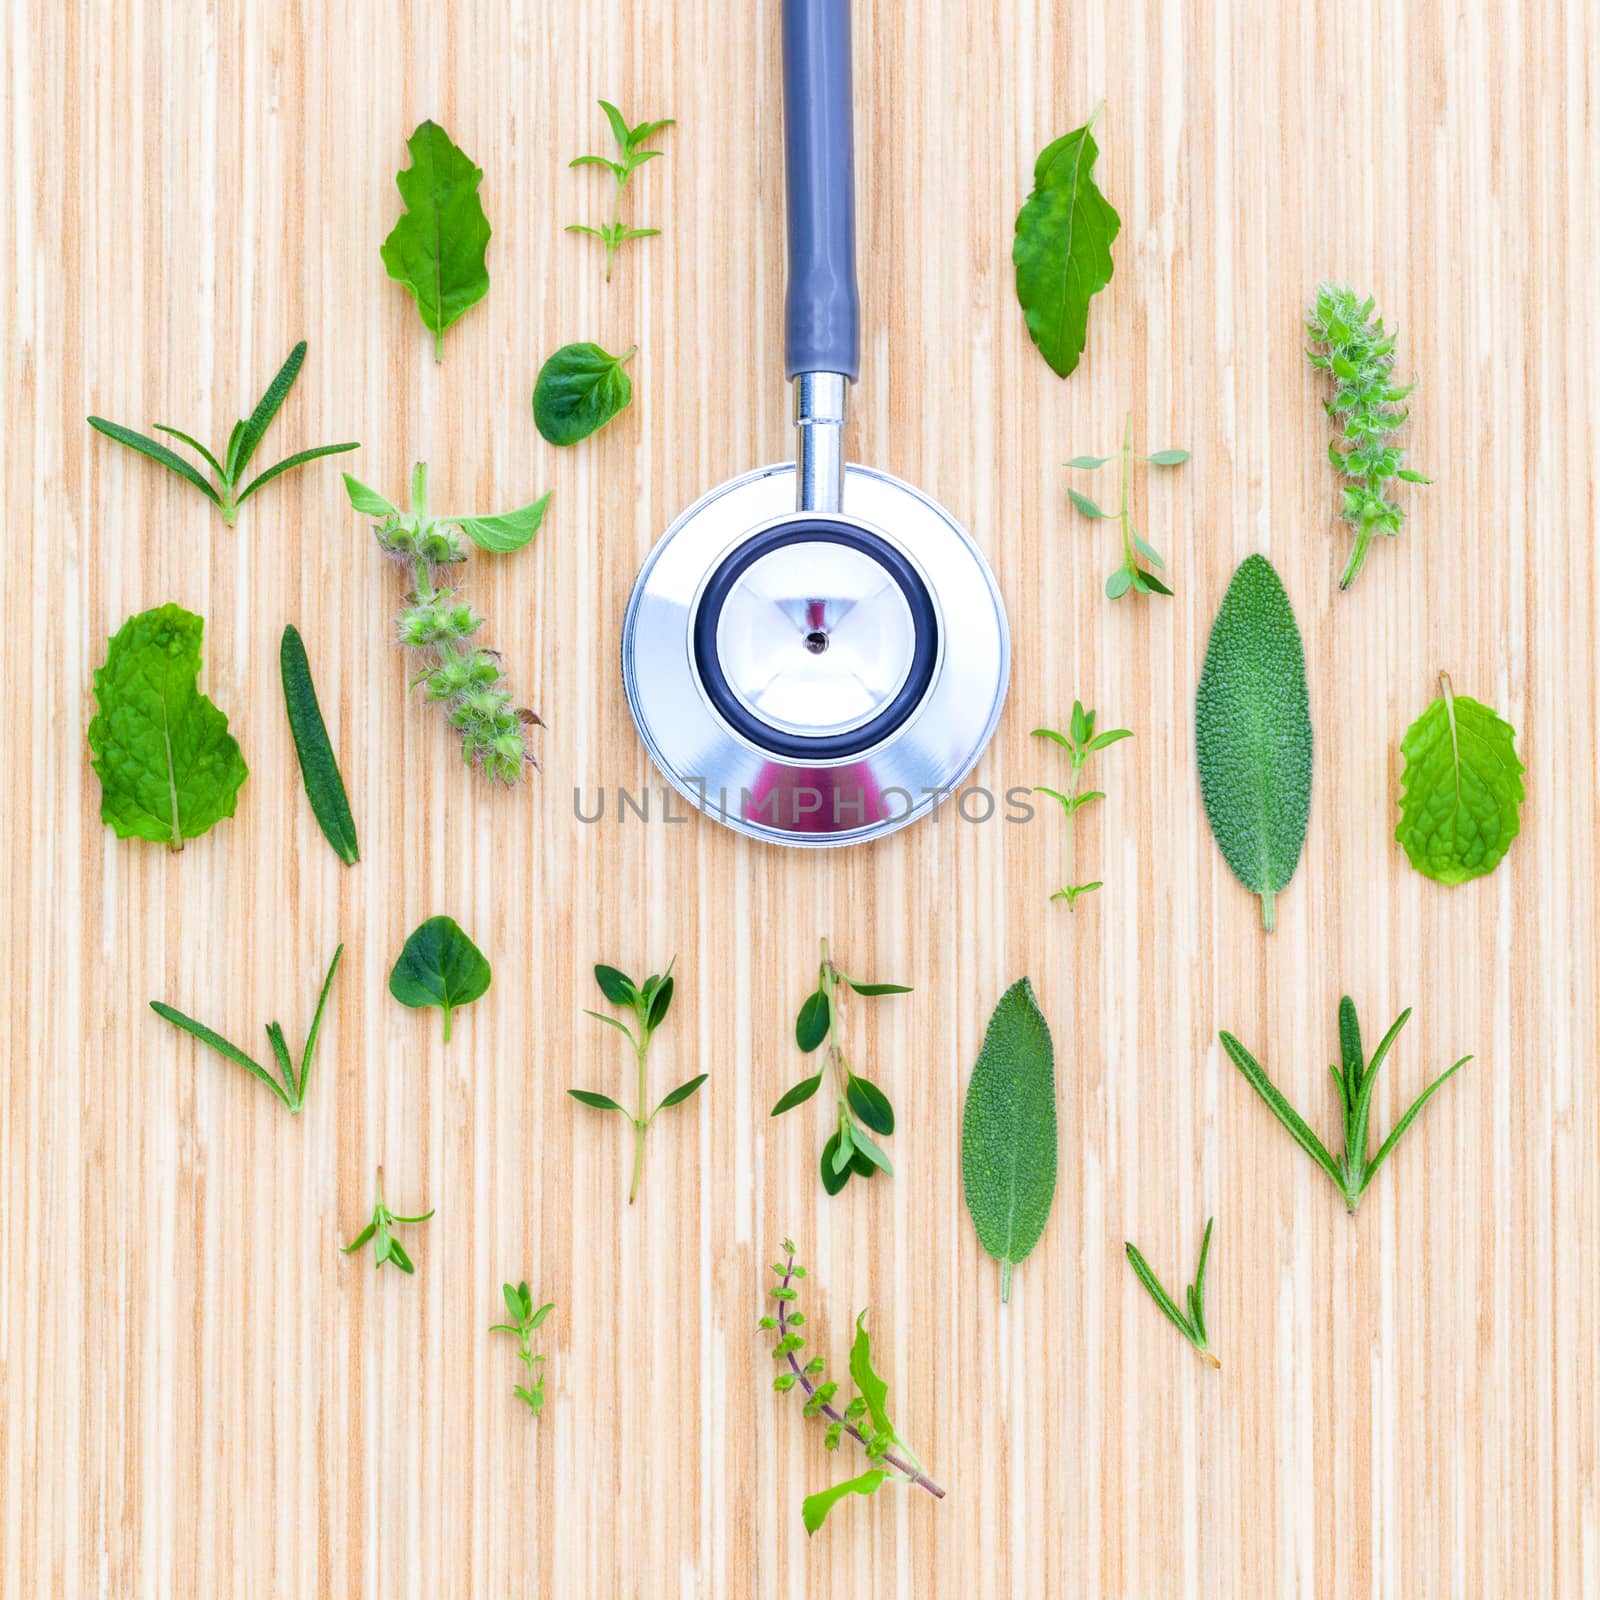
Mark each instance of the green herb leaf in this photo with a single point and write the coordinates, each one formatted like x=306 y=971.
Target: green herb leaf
x=368 y=501
x=833 y=1177
x=439 y=966
x=816 y=1507
x=1461 y=789
x=579 y=389
x=616 y=986
x=873 y=1389
x=871 y=989
x=798 y=1095
x=1253 y=733
x=811 y=1026
x=156 y=451
x=511 y=530
x=681 y=1093
x=1167 y=458
x=1062 y=251
x=168 y=767
x=385 y=1246
x=600 y=1102
x=871 y=1104
x=1086 y=505
x=862 y=1144
x=1008 y=1132
x=1089 y=462
x=439 y=247
x=318 y=766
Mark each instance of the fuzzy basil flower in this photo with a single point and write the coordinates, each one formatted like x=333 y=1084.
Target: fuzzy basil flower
x=466 y=680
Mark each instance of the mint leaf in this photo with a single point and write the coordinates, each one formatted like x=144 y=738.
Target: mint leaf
x=1062 y=251
x=579 y=389
x=1008 y=1132
x=816 y=1507
x=1460 y=790
x=1253 y=733
x=439 y=246
x=439 y=966
x=168 y=767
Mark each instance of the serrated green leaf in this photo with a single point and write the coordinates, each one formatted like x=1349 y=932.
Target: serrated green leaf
x=1253 y=737
x=1008 y=1132
x=1461 y=789
x=168 y=767
x=579 y=389
x=816 y=1507
x=1062 y=251
x=439 y=247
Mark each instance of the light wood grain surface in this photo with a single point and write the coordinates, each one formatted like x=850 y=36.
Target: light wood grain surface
x=199 y=1396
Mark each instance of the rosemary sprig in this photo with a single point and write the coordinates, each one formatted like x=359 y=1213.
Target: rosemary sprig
x=1080 y=744
x=1354 y=1081
x=1350 y=344
x=864 y=1418
x=1192 y=1326
x=1130 y=575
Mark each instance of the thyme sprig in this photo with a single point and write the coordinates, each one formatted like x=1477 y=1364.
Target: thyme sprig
x=385 y=1247
x=1354 y=1080
x=631 y=155
x=525 y=1322
x=864 y=1417
x=1193 y=1325
x=1080 y=743
x=1351 y=344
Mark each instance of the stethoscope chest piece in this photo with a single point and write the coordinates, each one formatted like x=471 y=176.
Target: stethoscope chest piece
x=812 y=678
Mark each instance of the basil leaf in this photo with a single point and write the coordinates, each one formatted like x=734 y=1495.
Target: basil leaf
x=439 y=246
x=873 y=1388
x=1253 y=733
x=168 y=767
x=579 y=389
x=871 y=1104
x=815 y=1508
x=1008 y=1132
x=1460 y=790
x=1062 y=251
x=507 y=532
x=439 y=966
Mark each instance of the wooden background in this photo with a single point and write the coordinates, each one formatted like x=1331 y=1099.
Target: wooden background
x=200 y=1396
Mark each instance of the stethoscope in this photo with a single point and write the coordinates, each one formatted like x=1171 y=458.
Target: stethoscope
x=816 y=653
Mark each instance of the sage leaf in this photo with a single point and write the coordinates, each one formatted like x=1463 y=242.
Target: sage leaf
x=579 y=389
x=1461 y=789
x=439 y=247
x=318 y=766
x=168 y=767
x=439 y=966
x=1008 y=1132
x=1062 y=251
x=1253 y=733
